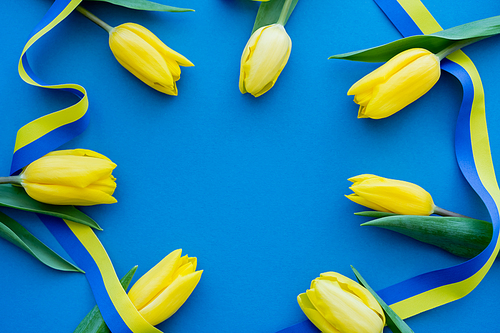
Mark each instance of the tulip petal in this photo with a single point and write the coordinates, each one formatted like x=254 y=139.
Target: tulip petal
x=395 y=84
x=106 y=185
x=171 y=298
x=267 y=60
x=179 y=58
x=70 y=170
x=157 y=43
x=355 y=288
x=404 y=87
x=364 y=202
x=314 y=316
x=155 y=280
x=263 y=59
x=271 y=84
x=344 y=310
x=78 y=152
x=283 y=64
x=184 y=270
x=382 y=73
x=363 y=97
x=67 y=195
x=174 y=69
x=362 y=177
x=141 y=59
x=169 y=89
x=396 y=196
x=247 y=52
x=193 y=261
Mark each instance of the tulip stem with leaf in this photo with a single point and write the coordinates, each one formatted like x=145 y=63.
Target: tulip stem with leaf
x=445 y=212
x=94 y=19
x=284 y=12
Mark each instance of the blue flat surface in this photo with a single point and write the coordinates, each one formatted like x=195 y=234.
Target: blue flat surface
x=252 y=187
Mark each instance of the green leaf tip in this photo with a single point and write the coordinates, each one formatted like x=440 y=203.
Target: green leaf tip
x=146 y=5
x=15 y=233
x=461 y=236
x=15 y=197
x=374 y=213
x=394 y=322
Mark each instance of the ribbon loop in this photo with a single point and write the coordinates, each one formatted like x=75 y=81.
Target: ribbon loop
x=49 y=132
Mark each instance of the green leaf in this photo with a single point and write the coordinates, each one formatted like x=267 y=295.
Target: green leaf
x=146 y=5
x=394 y=322
x=15 y=197
x=374 y=213
x=269 y=13
x=461 y=236
x=435 y=42
x=15 y=233
x=93 y=321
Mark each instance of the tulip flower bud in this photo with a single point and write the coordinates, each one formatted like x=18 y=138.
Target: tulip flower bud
x=389 y=195
x=337 y=304
x=263 y=59
x=160 y=292
x=70 y=177
x=147 y=57
x=397 y=83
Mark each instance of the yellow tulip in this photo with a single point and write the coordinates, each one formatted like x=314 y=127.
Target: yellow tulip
x=160 y=292
x=397 y=83
x=389 y=195
x=337 y=304
x=70 y=177
x=264 y=57
x=147 y=57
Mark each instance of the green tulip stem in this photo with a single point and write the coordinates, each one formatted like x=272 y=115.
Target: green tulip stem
x=444 y=212
x=10 y=180
x=94 y=19
x=284 y=12
x=456 y=46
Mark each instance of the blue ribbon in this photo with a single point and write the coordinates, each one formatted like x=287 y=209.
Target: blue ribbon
x=84 y=260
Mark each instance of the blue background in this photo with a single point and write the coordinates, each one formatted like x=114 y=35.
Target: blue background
x=252 y=187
